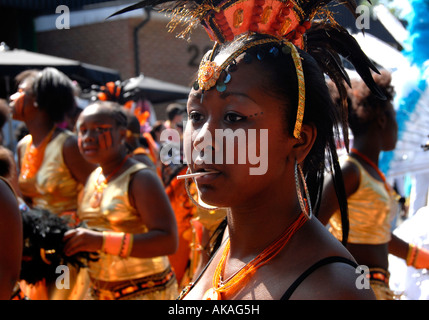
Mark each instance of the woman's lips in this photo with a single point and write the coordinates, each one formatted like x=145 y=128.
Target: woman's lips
x=209 y=176
x=90 y=150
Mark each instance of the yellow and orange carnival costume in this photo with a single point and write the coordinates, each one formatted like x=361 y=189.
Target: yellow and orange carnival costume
x=46 y=183
x=371 y=211
x=49 y=184
x=118 y=276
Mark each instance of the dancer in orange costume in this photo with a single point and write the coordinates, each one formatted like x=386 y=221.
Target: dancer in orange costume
x=129 y=219
x=51 y=169
x=51 y=172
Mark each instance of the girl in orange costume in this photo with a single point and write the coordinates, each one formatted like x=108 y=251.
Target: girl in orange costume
x=128 y=216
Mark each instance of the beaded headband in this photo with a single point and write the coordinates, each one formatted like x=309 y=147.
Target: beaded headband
x=291 y=23
x=209 y=73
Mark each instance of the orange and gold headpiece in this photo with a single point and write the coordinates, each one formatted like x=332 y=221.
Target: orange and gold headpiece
x=231 y=18
x=292 y=24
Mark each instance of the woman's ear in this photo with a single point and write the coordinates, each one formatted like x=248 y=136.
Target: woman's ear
x=381 y=117
x=304 y=143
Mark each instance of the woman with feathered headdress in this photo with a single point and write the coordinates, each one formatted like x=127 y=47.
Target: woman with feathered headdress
x=263 y=83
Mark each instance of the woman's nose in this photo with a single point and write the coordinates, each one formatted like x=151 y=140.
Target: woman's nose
x=205 y=144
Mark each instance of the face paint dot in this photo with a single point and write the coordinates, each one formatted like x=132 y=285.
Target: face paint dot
x=274 y=51
x=227 y=78
x=196 y=86
x=221 y=87
x=260 y=55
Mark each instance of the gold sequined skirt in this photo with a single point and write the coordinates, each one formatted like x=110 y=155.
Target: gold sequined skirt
x=379 y=280
x=160 y=286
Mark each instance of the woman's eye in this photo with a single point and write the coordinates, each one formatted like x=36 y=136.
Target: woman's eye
x=195 y=116
x=82 y=131
x=234 y=117
x=102 y=129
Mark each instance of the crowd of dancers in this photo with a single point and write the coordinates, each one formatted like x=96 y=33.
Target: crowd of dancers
x=97 y=197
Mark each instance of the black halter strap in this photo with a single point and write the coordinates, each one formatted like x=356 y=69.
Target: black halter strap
x=313 y=268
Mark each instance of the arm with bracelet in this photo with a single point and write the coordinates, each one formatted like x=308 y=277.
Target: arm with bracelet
x=413 y=255
x=117 y=243
x=160 y=238
x=417 y=257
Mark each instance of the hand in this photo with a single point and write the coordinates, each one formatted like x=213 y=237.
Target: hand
x=82 y=239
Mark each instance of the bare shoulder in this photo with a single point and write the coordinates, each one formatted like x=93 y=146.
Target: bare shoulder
x=145 y=185
x=332 y=272
x=10 y=209
x=22 y=144
x=146 y=179
x=143 y=158
x=70 y=145
x=351 y=174
x=334 y=281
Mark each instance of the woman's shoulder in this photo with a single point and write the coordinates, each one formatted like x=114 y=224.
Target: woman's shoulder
x=350 y=166
x=328 y=270
x=142 y=176
x=8 y=199
x=333 y=278
x=73 y=159
x=351 y=171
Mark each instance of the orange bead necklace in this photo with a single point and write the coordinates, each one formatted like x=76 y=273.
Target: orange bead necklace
x=220 y=287
x=33 y=156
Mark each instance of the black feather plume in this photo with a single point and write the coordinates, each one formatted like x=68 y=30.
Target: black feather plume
x=44 y=230
x=335 y=39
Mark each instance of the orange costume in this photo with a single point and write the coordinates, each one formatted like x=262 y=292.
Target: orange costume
x=371 y=210
x=116 y=276
x=49 y=185
x=52 y=187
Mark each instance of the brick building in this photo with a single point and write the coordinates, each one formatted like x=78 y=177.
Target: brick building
x=112 y=43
